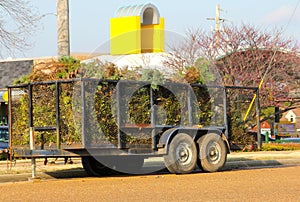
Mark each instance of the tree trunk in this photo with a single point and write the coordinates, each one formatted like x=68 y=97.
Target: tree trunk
x=63 y=40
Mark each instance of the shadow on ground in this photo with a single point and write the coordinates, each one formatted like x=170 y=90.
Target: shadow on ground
x=78 y=172
x=242 y=164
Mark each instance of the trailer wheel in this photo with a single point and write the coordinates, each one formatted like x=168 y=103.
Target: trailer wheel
x=182 y=155
x=212 y=153
x=93 y=167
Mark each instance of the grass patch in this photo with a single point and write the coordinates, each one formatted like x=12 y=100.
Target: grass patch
x=280 y=146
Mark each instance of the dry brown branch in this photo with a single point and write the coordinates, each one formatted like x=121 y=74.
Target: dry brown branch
x=242 y=56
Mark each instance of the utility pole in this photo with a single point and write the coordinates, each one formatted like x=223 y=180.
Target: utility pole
x=63 y=37
x=217 y=20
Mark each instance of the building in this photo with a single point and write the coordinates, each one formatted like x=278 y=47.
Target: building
x=265 y=128
x=137 y=29
x=10 y=70
x=292 y=116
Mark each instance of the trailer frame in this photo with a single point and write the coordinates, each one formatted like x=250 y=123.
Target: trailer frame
x=159 y=147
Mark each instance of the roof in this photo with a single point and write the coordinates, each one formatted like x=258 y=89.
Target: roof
x=249 y=48
x=145 y=60
x=295 y=111
x=263 y=125
x=12 y=70
x=148 y=12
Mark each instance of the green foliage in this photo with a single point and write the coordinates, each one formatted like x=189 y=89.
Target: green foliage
x=70 y=67
x=20 y=134
x=204 y=102
x=4 y=156
x=166 y=104
x=68 y=109
x=154 y=76
x=240 y=130
x=93 y=69
x=99 y=70
x=203 y=67
x=200 y=72
x=44 y=112
x=22 y=80
x=140 y=107
x=239 y=135
x=267 y=111
x=101 y=115
x=69 y=61
x=104 y=114
x=169 y=107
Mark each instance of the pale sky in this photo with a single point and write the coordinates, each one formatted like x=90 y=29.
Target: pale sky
x=89 y=20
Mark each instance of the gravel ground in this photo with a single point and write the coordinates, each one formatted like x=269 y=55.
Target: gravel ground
x=268 y=184
x=24 y=166
x=271 y=183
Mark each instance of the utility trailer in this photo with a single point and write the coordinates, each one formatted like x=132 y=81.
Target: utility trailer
x=116 y=125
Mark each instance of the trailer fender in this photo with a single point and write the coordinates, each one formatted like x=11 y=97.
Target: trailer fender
x=226 y=142
x=169 y=134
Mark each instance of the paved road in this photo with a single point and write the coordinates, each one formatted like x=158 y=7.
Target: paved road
x=267 y=184
x=21 y=171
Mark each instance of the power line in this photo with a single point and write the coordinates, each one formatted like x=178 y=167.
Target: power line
x=293 y=14
x=271 y=60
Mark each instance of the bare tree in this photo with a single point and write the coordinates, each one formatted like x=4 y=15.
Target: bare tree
x=244 y=56
x=250 y=55
x=185 y=53
x=18 y=21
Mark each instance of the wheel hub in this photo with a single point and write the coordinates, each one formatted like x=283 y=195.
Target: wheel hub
x=214 y=154
x=183 y=153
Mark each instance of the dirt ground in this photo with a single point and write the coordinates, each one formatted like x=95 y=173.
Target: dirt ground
x=24 y=166
x=267 y=184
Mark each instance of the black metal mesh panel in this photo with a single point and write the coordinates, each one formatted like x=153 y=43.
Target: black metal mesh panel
x=70 y=105
x=47 y=132
x=241 y=114
x=19 y=116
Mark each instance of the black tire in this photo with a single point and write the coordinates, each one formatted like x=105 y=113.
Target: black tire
x=182 y=155
x=212 y=153
x=93 y=167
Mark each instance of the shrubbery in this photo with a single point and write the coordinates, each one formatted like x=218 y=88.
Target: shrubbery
x=280 y=146
x=169 y=111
